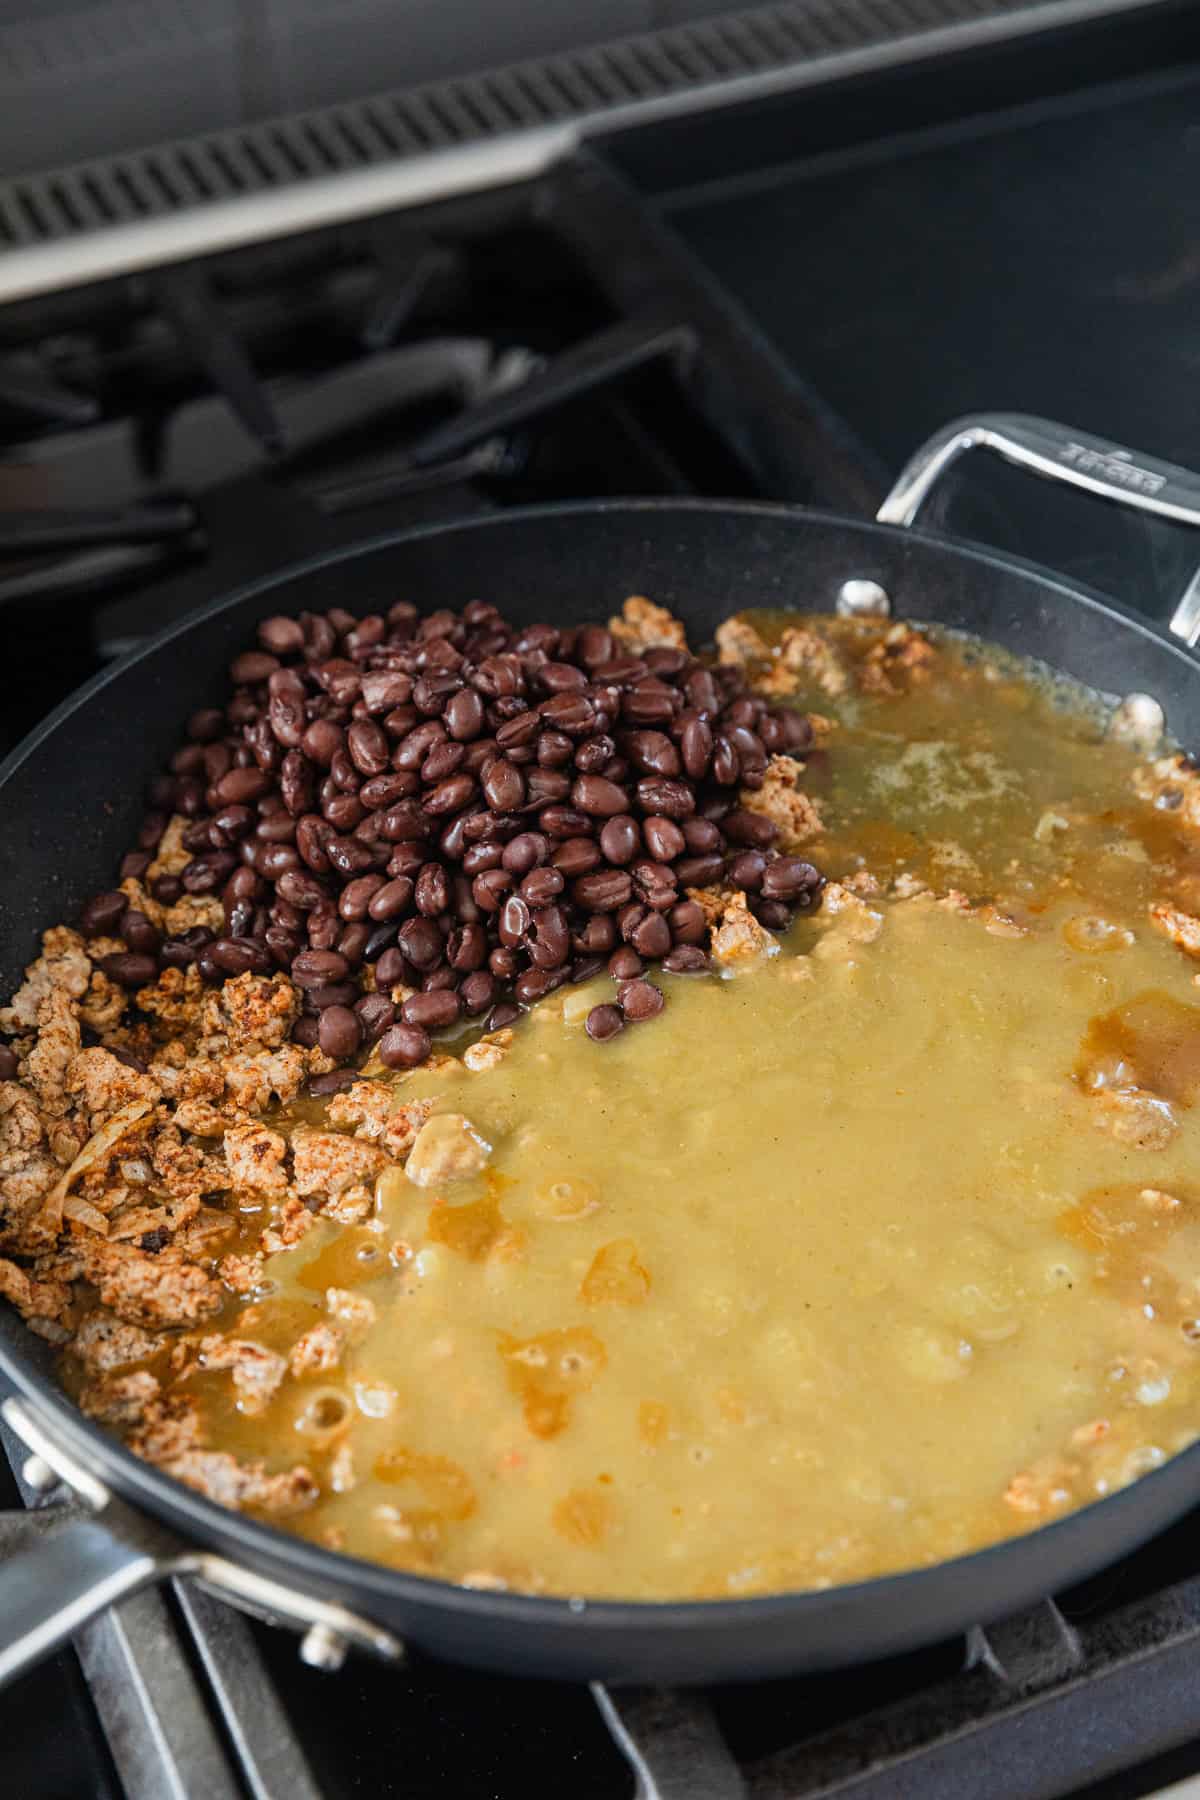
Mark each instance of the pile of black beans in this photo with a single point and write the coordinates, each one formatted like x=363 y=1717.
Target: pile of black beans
x=475 y=811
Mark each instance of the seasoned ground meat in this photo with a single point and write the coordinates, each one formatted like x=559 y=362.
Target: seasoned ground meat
x=325 y=1162
x=104 y=1343
x=254 y=1157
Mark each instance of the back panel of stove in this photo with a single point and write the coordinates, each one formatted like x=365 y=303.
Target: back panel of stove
x=86 y=79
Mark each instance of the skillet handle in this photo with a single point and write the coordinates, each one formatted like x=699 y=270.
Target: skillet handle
x=48 y=1592
x=1058 y=454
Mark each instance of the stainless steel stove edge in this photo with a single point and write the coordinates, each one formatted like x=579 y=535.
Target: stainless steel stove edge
x=179 y=200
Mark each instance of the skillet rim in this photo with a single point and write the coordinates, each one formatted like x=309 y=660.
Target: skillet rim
x=199 y=1519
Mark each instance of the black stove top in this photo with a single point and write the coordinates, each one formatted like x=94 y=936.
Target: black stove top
x=790 y=331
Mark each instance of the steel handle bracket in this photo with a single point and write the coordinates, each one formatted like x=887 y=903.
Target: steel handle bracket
x=1057 y=453
x=78 y=1570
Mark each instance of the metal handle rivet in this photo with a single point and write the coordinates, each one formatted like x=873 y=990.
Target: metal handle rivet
x=863 y=600
x=37 y=1474
x=322 y=1647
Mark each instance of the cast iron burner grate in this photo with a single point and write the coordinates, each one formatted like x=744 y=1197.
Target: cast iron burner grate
x=195 y=1699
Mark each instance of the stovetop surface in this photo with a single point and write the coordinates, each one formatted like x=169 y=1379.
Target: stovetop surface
x=1043 y=259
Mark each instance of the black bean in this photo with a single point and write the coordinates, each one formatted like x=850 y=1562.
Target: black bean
x=595 y=645
x=561 y=678
x=687 y=959
x=604 y=1022
x=701 y=836
x=252 y=666
x=443 y=760
x=339 y=1033
x=464 y=715
x=477 y=992
x=205 y=874
x=564 y=822
x=368 y=747
x=595 y=795
x=450 y=796
x=432 y=890
x=383 y=791
x=503 y=785
x=421 y=942
x=541 y=886
x=334 y=1082
x=281 y=636
x=389 y=900
x=696 y=747
x=299 y=890
x=514 y=921
x=167 y=889
x=653 y=753
x=746 y=871
x=671 y=799
x=650 y=702
x=242 y=785
x=467 y=948
x=640 y=1000
x=726 y=765
x=375 y=1014
x=571 y=714
x=393 y=969
x=432 y=1011
x=381 y=939
x=99 y=917
x=651 y=938
x=597 y=935
x=314 y=967
x=603 y=891
x=384 y=689
x=242 y=955
x=621 y=839
x=784 y=877
x=699 y=871
x=349 y=856
x=404 y=1046
x=130 y=968
x=531 y=985
x=664 y=840
x=554 y=750
x=355 y=898
x=775 y=914
x=139 y=933
x=577 y=856
x=593 y=756
x=549 y=937
x=625 y=963
x=545 y=786
x=751 y=828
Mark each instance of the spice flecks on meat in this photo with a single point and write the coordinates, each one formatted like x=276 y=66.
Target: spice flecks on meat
x=255 y=1158
x=325 y=1162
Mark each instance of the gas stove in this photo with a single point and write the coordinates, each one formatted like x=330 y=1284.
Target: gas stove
x=777 y=299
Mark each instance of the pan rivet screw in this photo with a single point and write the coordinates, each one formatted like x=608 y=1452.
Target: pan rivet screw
x=37 y=1474
x=863 y=600
x=322 y=1647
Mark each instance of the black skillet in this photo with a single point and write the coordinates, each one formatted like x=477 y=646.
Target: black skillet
x=70 y=800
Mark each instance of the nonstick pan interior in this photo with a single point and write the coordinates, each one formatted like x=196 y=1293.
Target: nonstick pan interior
x=70 y=801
